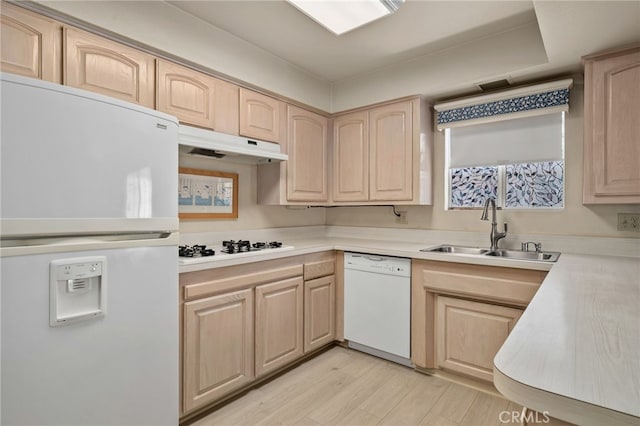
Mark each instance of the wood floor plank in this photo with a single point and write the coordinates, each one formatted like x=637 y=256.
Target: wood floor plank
x=297 y=407
x=512 y=420
x=452 y=405
x=218 y=416
x=358 y=417
x=485 y=411
x=386 y=397
x=345 y=387
x=353 y=395
x=281 y=389
x=417 y=402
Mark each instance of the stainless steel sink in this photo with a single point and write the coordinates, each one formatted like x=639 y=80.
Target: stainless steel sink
x=456 y=250
x=525 y=255
x=503 y=253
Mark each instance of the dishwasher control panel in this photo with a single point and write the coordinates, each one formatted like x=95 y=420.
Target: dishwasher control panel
x=380 y=264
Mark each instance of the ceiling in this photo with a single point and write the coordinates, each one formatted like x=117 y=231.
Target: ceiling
x=565 y=31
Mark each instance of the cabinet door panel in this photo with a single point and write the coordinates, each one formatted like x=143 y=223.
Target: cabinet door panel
x=279 y=324
x=261 y=116
x=612 y=130
x=351 y=157
x=218 y=347
x=319 y=312
x=196 y=98
x=391 y=152
x=187 y=94
x=469 y=334
x=307 y=165
x=30 y=44
x=102 y=66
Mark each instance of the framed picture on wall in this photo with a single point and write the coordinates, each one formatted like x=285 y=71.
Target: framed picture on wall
x=206 y=194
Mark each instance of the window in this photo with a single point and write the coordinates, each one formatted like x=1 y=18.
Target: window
x=519 y=163
x=507 y=146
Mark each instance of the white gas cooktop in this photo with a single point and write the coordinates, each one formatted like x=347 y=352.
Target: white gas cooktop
x=220 y=255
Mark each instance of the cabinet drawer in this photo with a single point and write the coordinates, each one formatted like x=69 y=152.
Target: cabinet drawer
x=508 y=285
x=319 y=269
x=205 y=288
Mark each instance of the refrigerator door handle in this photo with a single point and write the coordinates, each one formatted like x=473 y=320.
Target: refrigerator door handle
x=14 y=246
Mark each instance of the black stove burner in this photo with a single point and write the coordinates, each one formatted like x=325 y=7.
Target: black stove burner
x=240 y=246
x=243 y=246
x=195 y=251
x=228 y=247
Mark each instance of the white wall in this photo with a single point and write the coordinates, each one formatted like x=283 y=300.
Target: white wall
x=575 y=219
x=162 y=26
x=250 y=214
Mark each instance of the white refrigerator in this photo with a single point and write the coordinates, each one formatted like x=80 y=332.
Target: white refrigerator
x=89 y=277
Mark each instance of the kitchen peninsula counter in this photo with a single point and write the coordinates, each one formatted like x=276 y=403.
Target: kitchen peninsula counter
x=575 y=351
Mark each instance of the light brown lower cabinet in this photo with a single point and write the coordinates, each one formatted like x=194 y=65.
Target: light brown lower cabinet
x=470 y=333
x=218 y=346
x=319 y=312
x=462 y=313
x=279 y=324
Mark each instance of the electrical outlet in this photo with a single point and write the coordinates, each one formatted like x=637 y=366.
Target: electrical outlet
x=629 y=222
x=402 y=219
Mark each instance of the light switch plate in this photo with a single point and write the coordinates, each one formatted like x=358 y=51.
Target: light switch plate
x=629 y=222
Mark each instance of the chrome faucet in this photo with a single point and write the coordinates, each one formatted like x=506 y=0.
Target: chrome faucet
x=495 y=235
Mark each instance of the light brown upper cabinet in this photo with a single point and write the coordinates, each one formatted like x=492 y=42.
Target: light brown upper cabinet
x=351 y=157
x=307 y=165
x=262 y=117
x=383 y=154
x=103 y=66
x=391 y=152
x=196 y=98
x=611 y=127
x=30 y=44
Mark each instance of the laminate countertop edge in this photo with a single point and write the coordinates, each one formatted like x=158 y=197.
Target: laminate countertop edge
x=574 y=352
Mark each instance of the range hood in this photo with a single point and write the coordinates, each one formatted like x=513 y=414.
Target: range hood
x=207 y=143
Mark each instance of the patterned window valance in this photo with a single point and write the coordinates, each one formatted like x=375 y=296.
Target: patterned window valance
x=522 y=102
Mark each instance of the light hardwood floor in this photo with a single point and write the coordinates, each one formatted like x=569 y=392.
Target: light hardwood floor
x=345 y=387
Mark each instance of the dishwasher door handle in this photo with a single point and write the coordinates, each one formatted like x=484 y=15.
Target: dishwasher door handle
x=375 y=259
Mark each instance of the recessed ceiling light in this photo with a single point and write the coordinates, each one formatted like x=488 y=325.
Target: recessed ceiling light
x=340 y=16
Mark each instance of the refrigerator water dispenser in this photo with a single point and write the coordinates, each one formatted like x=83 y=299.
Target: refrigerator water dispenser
x=77 y=289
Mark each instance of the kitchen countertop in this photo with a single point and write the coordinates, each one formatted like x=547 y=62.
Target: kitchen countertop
x=575 y=352
x=381 y=247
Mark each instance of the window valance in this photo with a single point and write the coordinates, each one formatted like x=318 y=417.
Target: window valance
x=516 y=103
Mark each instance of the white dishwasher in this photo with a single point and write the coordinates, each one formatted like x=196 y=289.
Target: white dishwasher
x=377 y=305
